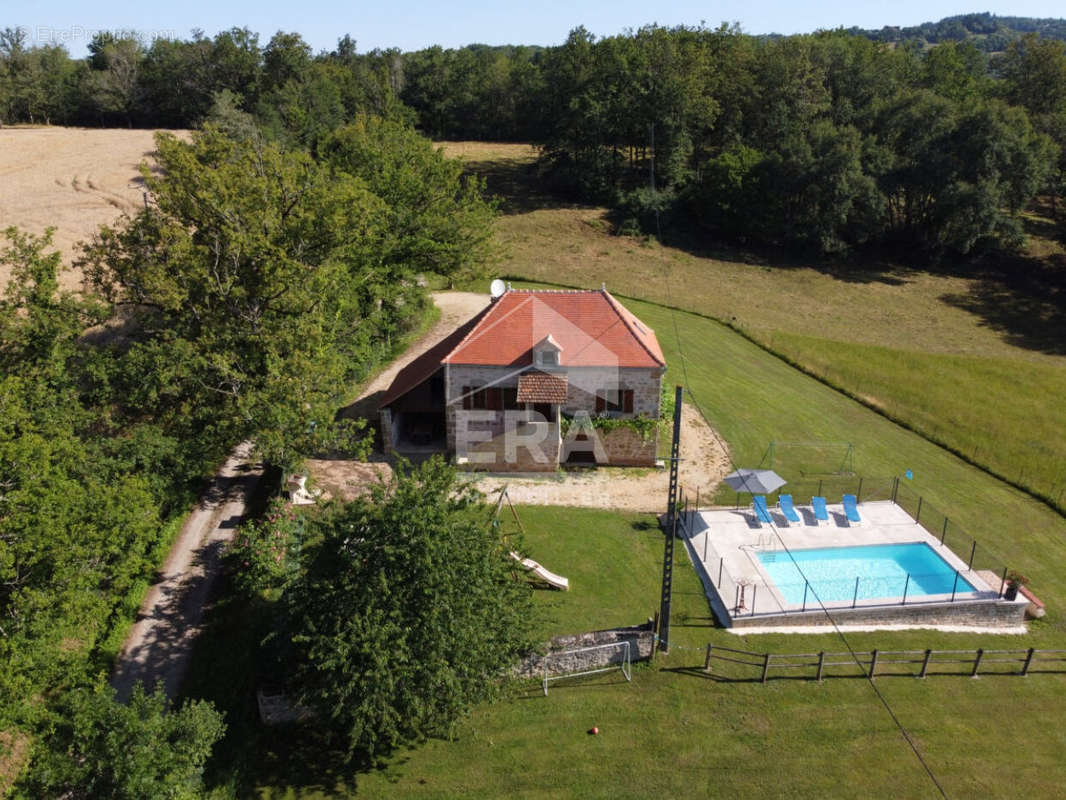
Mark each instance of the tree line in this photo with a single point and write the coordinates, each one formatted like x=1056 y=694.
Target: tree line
x=829 y=141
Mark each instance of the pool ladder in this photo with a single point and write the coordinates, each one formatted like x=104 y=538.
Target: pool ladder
x=767 y=542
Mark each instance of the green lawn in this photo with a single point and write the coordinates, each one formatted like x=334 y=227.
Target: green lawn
x=676 y=733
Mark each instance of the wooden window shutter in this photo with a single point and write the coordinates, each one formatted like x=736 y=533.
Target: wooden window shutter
x=601 y=403
x=468 y=398
x=627 y=401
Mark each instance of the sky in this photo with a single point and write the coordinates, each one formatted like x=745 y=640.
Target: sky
x=414 y=24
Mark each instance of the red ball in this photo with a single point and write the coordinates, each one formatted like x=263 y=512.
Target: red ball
x=594 y=731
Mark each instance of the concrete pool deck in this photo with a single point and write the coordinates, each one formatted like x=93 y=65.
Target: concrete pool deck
x=724 y=545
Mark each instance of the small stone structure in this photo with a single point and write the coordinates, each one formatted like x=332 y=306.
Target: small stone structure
x=641 y=640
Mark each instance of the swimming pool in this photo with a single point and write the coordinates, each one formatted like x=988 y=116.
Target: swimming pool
x=867 y=572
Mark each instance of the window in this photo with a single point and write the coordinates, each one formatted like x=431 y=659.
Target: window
x=490 y=398
x=614 y=400
x=548 y=358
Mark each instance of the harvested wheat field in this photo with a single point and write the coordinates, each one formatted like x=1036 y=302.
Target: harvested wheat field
x=72 y=179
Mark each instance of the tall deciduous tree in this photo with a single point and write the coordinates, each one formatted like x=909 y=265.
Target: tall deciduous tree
x=409 y=614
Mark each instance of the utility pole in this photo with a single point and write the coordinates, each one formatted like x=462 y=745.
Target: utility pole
x=670 y=527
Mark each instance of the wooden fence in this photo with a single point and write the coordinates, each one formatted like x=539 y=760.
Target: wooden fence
x=881 y=663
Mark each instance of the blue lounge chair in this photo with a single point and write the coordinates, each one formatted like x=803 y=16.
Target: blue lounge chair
x=821 y=513
x=851 y=508
x=762 y=513
x=784 y=502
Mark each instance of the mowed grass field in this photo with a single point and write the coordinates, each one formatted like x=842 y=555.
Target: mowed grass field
x=969 y=362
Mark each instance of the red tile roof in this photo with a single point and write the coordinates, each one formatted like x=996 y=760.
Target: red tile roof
x=591 y=328
x=423 y=367
x=541 y=387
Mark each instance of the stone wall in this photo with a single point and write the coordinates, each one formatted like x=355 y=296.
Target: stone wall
x=641 y=640
x=976 y=613
x=505 y=451
x=627 y=447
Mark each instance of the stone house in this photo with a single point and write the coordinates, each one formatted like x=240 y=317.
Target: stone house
x=517 y=388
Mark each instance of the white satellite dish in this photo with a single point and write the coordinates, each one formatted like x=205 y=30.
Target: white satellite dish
x=497 y=288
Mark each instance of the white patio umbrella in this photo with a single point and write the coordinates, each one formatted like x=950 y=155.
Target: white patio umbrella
x=755 y=481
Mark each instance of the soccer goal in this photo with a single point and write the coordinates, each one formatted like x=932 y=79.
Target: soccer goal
x=812 y=458
x=587 y=661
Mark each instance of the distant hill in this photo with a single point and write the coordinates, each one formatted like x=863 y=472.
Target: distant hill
x=986 y=31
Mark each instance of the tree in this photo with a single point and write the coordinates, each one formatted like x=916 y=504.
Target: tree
x=437 y=220
x=103 y=748
x=257 y=286
x=409 y=614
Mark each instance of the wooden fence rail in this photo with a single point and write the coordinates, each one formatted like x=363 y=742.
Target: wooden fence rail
x=918 y=663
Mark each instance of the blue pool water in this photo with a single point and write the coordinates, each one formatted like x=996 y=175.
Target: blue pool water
x=882 y=570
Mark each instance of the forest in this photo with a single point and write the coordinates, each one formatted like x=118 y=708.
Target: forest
x=826 y=142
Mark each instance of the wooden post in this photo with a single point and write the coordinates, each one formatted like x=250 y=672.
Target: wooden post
x=925 y=663
x=977 y=662
x=765 y=667
x=1028 y=661
x=873 y=663
x=821 y=663
x=707 y=659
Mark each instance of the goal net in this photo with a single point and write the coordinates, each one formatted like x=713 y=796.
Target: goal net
x=811 y=459
x=586 y=661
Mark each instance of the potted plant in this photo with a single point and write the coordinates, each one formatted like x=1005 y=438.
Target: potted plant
x=1015 y=581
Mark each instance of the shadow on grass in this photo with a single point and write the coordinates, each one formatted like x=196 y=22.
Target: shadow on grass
x=516 y=183
x=1027 y=305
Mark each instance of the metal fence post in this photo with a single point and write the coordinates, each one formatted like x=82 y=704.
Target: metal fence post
x=707 y=660
x=873 y=663
x=706 y=542
x=973 y=552
x=918 y=516
x=721 y=563
x=906 y=586
x=858 y=492
x=944 y=530
x=855 y=597
x=955 y=586
x=977 y=662
x=821 y=663
x=753 y=588
x=1003 y=582
x=820 y=488
x=766 y=667
x=895 y=488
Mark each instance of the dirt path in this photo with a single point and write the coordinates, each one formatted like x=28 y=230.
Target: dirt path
x=703 y=465
x=160 y=642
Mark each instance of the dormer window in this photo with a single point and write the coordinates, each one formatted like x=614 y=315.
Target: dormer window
x=546 y=352
x=548 y=358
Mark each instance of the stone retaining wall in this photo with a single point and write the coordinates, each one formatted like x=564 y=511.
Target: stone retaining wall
x=641 y=640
